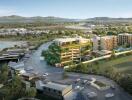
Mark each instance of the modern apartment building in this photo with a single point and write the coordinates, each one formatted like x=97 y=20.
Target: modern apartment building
x=96 y=43
x=125 y=39
x=104 y=43
x=72 y=49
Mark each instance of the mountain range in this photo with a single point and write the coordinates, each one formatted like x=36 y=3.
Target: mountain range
x=20 y=19
x=51 y=19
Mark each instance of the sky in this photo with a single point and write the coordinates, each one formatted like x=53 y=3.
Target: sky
x=80 y=9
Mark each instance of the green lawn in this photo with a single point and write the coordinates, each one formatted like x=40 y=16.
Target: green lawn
x=122 y=64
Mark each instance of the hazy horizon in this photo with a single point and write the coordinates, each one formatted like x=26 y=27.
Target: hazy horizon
x=73 y=9
x=66 y=17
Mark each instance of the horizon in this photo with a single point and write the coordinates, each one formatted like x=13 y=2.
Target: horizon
x=65 y=17
x=79 y=9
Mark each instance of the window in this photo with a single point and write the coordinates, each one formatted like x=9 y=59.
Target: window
x=59 y=92
x=54 y=90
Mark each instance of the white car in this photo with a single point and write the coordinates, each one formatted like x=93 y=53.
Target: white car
x=88 y=82
x=109 y=95
x=45 y=74
x=112 y=86
x=92 y=94
x=77 y=87
x=78 y=79
x=84 y=81
x=81 y=88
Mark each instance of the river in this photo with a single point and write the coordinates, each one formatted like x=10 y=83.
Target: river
x=41 y=66
x=8 y=44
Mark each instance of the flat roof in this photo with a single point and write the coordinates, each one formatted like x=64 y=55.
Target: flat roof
x=29 y=74
x=15 y=65
x=68 y=39
x=65 y=39
x=55 y=86
x=110 y=36
x=125 y=34
x=52 y=85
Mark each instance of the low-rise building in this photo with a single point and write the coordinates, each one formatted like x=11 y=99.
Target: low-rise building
x=29 y=76
x=55 y=90
x=17 y=68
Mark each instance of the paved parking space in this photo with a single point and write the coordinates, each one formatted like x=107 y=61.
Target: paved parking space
x=81 y=89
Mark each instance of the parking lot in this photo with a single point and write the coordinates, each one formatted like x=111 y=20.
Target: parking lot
x=83 y=90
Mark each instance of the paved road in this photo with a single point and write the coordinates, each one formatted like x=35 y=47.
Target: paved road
x=118 y=91
x=55 y=74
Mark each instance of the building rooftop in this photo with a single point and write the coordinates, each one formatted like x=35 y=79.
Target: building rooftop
x=52 y=85
x=126 y=34
x=69 y=39
x=55 y=86
x=108 y=37
x=29 y=74
x=65 y=40
x=103 y=37
x=15 y=65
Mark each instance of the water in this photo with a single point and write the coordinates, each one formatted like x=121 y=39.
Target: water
x=39 y=65
x=8 y=44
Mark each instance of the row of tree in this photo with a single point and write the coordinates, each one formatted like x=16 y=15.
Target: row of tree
x=112 y=30
x=13 y=87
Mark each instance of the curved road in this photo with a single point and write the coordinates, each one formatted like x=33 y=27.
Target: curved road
x=41 y=67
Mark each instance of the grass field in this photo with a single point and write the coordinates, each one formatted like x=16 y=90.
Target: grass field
x=122 y=64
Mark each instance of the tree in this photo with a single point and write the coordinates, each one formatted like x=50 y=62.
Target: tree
x=4 y=73
x=31 y=92
x=113 y=54
x=126 y=83
x=52 y=55
x=16 y=87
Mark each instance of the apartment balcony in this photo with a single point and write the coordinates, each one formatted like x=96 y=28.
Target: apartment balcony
x=65 y=62
x=75 y=50
x=66 y=56
x=75 y=54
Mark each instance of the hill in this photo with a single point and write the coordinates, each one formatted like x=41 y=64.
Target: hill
x=20 y=19
x=52 y=19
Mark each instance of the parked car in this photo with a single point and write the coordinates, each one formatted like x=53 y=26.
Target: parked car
x=77 y=87
x=109 y=95
x=112 y=86
x=45 y=74
x=92 y=95
x=77 y=80
x=84 y=81
x=88 y=83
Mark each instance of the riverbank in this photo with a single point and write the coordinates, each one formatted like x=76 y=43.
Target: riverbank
x=118 y=69
x=39 y=65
